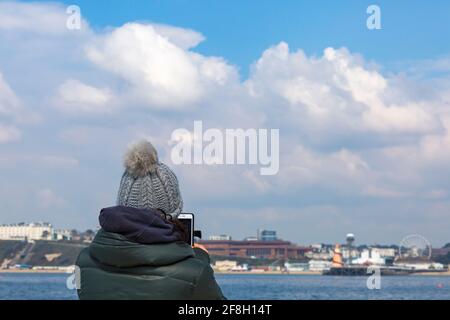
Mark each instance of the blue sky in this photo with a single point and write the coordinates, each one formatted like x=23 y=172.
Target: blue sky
x=240 y=31
x=364 y=116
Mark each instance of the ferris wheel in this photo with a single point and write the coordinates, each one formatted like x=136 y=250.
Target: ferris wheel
x=415 y=246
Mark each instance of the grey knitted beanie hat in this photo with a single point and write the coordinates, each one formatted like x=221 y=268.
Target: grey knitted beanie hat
x=148 y=183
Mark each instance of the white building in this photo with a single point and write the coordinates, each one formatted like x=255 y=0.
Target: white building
x=63 y=234
x=241 y=268
x=222 y=237
x=386 y=252
x=420 y=265
x=323 y=255
x=22 y=231
x=317 y=247
x=346 y=253
x=370 y=257
x=225 y=265
x=319 y=265
x=296 y=266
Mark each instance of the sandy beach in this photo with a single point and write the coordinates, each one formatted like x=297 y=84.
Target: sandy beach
x=445 y=273
x=270 y=272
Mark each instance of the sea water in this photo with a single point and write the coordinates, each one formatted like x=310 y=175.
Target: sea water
x=255 y=286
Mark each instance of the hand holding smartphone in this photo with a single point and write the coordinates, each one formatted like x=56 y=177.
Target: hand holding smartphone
x=187 y=219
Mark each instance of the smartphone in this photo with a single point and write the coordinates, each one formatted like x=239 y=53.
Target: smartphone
x=187 y=219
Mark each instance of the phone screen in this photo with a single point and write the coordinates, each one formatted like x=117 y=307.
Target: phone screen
x=187 y=219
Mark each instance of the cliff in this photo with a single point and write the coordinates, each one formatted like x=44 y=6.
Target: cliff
x=39 y=253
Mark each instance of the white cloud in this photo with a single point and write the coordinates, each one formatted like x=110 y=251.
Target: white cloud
x=347 y=130
x=376 y=191
x=35 y=18
x=37 y=161
x=181 y=37
x=9 y=102
x=75 y=96
x=337 y=87
x=436 y=194
x=9 y=133
x=159 y=73
x=437 y=146
x=10 y=110
x=48 y=199
x=55 y=161
x=425 y=67
x=343 y=171
x=427 y=152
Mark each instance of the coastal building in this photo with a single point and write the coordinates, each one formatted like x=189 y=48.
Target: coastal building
x=385 y=252
x=33 y=231
x=320 y=252
x=418 y=264
x=435 y=252
x=370 y=257
x=319 y=265
x=63 y=234
x=225 y=265
x=241 y=268
x=275 y=249
x=219 y=237
x=323 y=255
x=296 y=266
x=316 y=247
x=23 y=231
x=267 y=235
x=349 y=253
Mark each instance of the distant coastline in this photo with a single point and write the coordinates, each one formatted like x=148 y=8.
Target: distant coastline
x=315 y=273
x=32 y=271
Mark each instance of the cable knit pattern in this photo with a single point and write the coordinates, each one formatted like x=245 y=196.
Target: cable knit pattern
x=156 y=190
x=148 y=183
x=170 y=185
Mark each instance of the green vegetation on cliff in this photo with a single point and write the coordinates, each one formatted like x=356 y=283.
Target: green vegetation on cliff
x=40 y=253
x=10 y=248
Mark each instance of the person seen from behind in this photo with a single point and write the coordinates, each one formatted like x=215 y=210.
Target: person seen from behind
x=140 y=251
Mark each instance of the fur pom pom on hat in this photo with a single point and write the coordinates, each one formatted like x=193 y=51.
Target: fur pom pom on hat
x=148 y=183
x=141 y=159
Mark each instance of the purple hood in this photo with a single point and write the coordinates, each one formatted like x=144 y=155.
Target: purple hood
x=139 y=225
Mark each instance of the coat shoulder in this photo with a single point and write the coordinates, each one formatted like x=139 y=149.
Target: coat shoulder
x=190 y=278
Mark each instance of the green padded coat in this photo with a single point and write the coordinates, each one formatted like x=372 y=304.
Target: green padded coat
x=113 y=267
